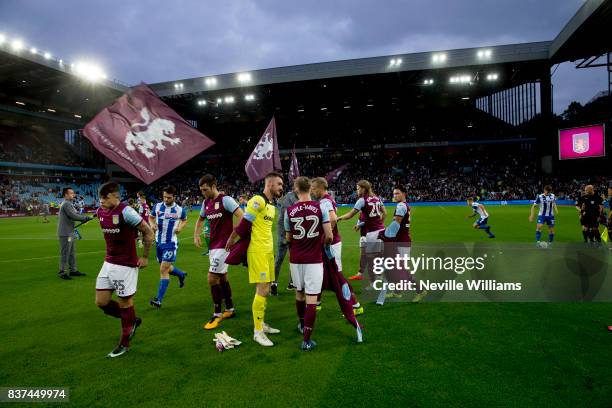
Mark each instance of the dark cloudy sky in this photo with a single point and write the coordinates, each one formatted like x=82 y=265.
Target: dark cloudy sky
x=161 y=40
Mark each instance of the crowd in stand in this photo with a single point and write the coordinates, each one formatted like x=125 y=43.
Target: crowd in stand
x=31 y=195
x=30 y=147
x=435 y=174
x=429 y=176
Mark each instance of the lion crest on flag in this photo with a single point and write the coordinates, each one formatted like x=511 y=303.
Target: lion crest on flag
x=157 y=131
x=264 y=148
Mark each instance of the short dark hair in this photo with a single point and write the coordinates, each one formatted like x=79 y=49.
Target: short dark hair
x=548 y=188
x=401 y=188
x=170 y=189
x=65 y=191
x=302 y=184
x=470 y=198
x=208 y=179
x=108 y=188
x=273 y=174
x=140 y=194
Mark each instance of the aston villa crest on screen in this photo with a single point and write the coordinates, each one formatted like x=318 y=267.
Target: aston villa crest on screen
x=580 y=142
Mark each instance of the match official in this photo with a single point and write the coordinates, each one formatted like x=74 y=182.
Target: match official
x=65 y=232
x=590 y=206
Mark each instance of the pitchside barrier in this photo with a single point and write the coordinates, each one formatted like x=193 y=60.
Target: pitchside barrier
x=88 y=210
x=449 y=203
x=453 y=203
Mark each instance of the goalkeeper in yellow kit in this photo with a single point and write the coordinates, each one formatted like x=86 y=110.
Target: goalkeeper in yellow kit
x=257 y=223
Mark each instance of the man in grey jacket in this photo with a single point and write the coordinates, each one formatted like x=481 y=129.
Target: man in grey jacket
x=281 y=249
x=65 y=232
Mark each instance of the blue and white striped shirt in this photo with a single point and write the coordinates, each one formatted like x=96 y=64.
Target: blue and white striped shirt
x=480 y=211
x=545 y=202
x=168 y=218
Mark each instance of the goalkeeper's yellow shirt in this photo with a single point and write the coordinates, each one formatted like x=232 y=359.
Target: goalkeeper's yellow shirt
x=261 y=213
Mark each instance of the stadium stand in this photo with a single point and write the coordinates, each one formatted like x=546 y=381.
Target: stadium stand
x=386 y=122
x=439 y=174
x=18 y=195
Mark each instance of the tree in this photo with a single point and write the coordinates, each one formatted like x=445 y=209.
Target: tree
x=573 y=112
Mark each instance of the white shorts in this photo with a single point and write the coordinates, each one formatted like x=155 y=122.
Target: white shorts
x=373 y=244
x=217 y=259
x=307 y=277
x=403 y=251
x=120 y=278
x=362 y=242
x=336 y=250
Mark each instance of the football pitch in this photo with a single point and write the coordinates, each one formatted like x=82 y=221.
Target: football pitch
x=425 y=354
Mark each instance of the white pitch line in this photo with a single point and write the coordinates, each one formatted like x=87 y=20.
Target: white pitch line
x=47 y=257
x=45 y=239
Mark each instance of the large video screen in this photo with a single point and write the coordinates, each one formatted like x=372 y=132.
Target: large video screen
x=582 y=142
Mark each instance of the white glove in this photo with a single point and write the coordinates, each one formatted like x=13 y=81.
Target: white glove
x=226 y=341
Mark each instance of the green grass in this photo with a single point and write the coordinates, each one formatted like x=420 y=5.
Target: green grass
x=428 y=354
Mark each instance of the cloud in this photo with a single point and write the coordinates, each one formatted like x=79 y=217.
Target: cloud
x=159 y=40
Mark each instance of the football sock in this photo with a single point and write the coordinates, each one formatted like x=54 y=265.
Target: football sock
x=176 y=271
x=551 y=237
x=362 y=261
x=161 y=290
x=371 y=275
x=259 y=311
x=585 y=235
x=217 y=297
x=300 y=306
x=354 y=300
x=227 y=292
x=309 y=320
x=538 y=235
x=346 y=305
x=128 y=317
x=111 y=309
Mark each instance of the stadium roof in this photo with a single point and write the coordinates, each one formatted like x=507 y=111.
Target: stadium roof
x=587 y=34
x=31 y=82
x=422 y=61
x=34 y=86
x=378 y=84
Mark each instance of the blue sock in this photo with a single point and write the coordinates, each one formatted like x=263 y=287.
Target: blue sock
x=551 y=237
x=163 y=286
x=176 y=271
x=538 y=235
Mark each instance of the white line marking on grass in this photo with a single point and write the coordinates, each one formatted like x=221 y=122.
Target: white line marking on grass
x=48 y=257
x=44 y=239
